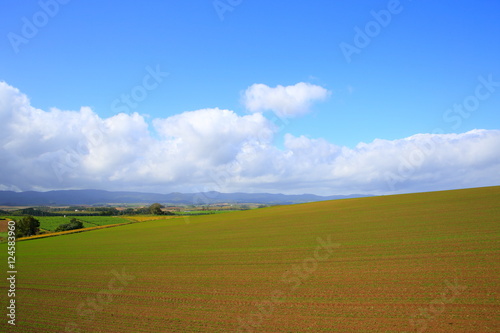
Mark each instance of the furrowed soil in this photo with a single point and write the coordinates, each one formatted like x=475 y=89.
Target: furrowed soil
x=405 y=263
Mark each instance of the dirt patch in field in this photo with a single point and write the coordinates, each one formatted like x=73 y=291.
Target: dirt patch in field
x=4 y=225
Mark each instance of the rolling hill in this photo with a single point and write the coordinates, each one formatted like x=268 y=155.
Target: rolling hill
x=403 y=263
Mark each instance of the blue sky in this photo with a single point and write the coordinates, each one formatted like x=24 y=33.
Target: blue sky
x=404 y=79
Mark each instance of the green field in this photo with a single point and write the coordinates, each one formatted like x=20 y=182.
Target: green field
x=102 y=220
x=52 y=222
x=203 y=212
x=406 y=263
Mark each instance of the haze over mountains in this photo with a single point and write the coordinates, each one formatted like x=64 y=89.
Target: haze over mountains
x=95 y=197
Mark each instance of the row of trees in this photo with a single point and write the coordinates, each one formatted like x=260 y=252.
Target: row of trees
x=155 y=209
x=30 y=226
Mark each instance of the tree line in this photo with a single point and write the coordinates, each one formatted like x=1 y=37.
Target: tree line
x=155 y=209
x=30 y=226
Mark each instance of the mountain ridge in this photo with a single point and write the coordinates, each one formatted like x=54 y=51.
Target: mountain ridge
x=95 y=197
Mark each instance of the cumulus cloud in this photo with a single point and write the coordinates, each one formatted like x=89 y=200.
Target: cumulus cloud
x=285 y=102
x=215 y=149
x=214 y=135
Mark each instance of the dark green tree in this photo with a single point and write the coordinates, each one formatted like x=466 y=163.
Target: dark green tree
x=72 y=225
x=128 y=211
x=27 y=226
x=156 y=209
x=109 y=212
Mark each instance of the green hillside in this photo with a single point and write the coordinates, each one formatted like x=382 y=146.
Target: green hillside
x=404 y=263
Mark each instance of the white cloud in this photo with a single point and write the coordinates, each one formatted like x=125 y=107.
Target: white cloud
x=214 y=135
x=214 y=149
x=285 y=102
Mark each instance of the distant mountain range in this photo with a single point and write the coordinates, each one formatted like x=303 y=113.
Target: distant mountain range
x=97 y=197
